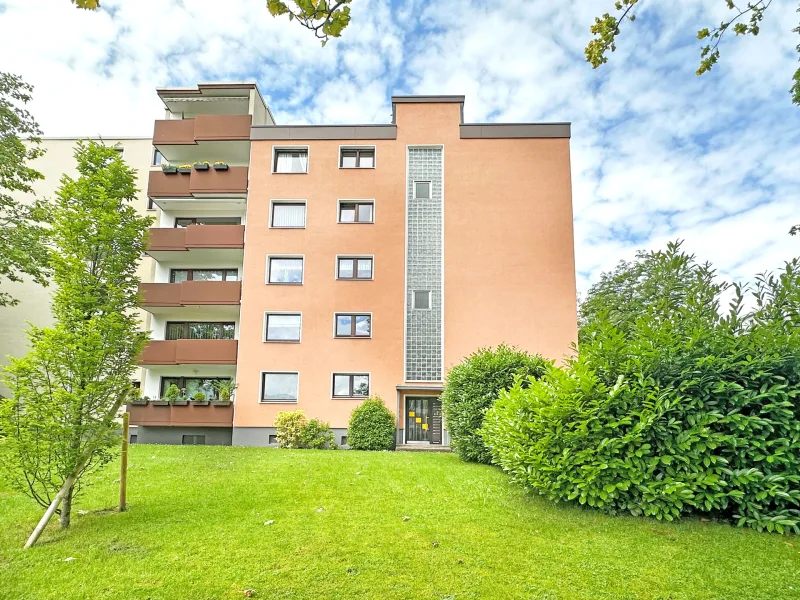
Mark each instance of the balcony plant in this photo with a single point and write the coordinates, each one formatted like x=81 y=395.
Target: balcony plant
x=199 y=399
x=220 y=165
x=224 y=389
x=137 y=399
x=185 y=169
x=201 y=165
x=169 y=169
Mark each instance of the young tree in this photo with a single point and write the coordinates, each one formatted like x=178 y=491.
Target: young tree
x=745 y=20
x=59 y=421
x=22 y=251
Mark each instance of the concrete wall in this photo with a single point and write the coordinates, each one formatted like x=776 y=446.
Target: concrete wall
x=215 y=436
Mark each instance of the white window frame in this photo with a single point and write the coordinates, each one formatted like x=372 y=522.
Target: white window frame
x=353 y=312
x=414 y=299
x=303 y=276
x=299 y=313
x=357 y=147
x=430 y=188
x=369 y=385
x=261 y=387
x=302 y=201
x=290 y=147
x=354 y=201
x=355 y=267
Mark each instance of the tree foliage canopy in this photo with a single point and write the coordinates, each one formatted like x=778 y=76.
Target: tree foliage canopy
x=673 y=405
x=65 y=394
x=325 y=18
x=745 y=20
x=22 y=250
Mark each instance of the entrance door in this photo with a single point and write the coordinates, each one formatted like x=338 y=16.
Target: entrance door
x=424 y=420
x=417 y=420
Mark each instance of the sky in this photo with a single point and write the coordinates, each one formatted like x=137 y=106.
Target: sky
x=658 y=154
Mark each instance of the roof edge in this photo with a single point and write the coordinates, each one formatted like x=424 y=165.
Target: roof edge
x=427 y=99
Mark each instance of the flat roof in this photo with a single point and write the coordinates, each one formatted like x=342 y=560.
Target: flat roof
x=426 y=99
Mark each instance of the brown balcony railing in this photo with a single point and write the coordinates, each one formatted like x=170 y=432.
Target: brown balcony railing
x=190 y=352
x=202 y=128
x=190 y=293
x=178 y=185
x=196 y=236
x=190 y=415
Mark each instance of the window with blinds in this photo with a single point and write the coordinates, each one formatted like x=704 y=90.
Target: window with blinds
x=290 y=160
x=288 y=215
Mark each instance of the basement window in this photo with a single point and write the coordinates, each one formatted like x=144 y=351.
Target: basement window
x=193 y=440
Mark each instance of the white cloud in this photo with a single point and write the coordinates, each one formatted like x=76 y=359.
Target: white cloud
x=657 y=153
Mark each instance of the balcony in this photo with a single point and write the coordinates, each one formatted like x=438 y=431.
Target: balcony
x=197 y=184
x=218 y=298
x=202 y=242
x=190 y=415
x=190 y=352
x=203 y=128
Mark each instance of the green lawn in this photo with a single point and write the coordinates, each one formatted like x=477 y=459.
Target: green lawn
x=195 y=529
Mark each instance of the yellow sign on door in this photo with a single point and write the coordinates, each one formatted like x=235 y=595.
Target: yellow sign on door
x=418 y=420
x=411 y=413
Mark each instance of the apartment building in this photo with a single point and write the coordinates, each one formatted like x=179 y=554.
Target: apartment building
x=320 y=265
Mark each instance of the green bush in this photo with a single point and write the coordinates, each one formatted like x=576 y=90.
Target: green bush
x=173 y=393
x=371 y=426
x=290 y=426
x=317 y=435
x=472 y=387
x=671 y=407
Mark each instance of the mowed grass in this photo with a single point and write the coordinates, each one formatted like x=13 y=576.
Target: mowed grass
x=195 y=529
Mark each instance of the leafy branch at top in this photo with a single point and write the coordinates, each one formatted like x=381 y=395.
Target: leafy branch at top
x=325 y=19
x=746 y=20
x=87 y=4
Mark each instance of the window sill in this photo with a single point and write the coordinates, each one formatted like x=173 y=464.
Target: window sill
x=288 y=227
x=349 y=397
x=281 y=341
x=355 y=222
x=352 y=337
x=354 y=279
x=290 y=172
x=277 y=401
x=357 y=168
x=283 y=283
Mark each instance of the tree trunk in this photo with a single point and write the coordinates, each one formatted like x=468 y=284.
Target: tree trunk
x=66 y=508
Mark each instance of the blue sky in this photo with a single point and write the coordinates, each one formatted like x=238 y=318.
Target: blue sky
x=657 y=152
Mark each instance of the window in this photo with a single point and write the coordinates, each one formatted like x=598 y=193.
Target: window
x=357 y=158
x=354 y=268
x=422 y=299
x=133 y=439
x=178 y=275
x=281 y=327
x=285 y=270
x=353 y=325
x=192 y=385
x=344 y=441
x=279 y=387
x=272 y=439
x=199 y=331
x=290 y=160
x=186 y=221
x=356 y=212
x=193 y=440
x=289 y=215
x=350 y=385
x=422 y=189
x=119 y=149
x=157 y=158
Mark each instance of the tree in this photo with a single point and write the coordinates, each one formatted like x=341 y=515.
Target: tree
x=744 y=21
x=323 y=18
x=65 y=394
x=22 y=251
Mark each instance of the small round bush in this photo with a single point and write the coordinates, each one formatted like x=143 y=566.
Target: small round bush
x=472 y=387
x=371 y=426
x=317 y=435
x=289 y=427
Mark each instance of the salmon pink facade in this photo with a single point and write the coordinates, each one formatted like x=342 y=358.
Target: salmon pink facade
x=374 y=257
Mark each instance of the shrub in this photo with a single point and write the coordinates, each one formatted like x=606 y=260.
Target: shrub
x=472 y=387
x=671 y=407
x=198 y=396
x=317 y=435
x=371 y=426
x=290 y=426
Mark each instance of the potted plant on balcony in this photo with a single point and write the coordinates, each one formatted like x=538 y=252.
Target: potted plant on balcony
x=136 y=398
x=224 y=389
x=169 y=169
x=185 y=169
x=201 y=165
x=220 y=165
x=199 y=399
x=165 y=400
